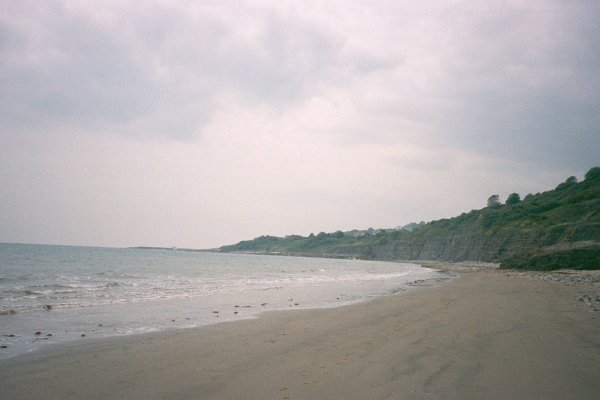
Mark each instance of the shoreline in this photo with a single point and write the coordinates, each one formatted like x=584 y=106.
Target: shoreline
x=491 y=333
x=249 y=310
x=29 y=333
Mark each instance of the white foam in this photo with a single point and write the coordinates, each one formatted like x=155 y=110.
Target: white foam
x=131 y=291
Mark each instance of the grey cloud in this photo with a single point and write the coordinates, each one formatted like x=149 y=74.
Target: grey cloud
x=510 y=80
x=502 y=76
x=81 y=76
x=284 y=107
x=154 y=67
x=529 y=88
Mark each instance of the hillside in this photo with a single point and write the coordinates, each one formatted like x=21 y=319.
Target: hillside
x=556 y=229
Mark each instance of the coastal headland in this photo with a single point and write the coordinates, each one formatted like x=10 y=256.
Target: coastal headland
x=556 y=229
x=493 y=334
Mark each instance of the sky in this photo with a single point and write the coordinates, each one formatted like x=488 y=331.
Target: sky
x=203 y=123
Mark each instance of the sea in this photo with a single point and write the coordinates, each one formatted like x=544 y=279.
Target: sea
x=56 y=294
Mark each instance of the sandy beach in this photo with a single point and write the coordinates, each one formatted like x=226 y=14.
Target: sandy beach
x=487 y=335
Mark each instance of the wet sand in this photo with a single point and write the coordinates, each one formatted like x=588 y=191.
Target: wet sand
x=487 y=335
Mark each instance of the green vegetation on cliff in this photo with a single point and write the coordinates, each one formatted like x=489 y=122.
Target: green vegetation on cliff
x=559 y=228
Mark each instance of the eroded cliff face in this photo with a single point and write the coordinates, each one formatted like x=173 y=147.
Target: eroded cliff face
x=573 y=242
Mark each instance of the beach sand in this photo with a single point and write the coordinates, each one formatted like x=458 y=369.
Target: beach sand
x=487 y=335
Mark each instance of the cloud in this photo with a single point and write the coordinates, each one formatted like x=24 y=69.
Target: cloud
x=524 y=78
x=515 y=81
x=152 y=67
x=257 y=117
x=436 y=74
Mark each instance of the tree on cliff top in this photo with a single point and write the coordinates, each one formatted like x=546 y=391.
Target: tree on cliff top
x=493 y=200
x=593 y=174
x=513 y=198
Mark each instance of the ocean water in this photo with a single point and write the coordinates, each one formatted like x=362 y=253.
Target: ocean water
x=56 y=294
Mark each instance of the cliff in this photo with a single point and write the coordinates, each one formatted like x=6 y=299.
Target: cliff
x=559 y=228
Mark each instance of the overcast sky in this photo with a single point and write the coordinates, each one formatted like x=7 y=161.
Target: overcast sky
x=202 y=123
